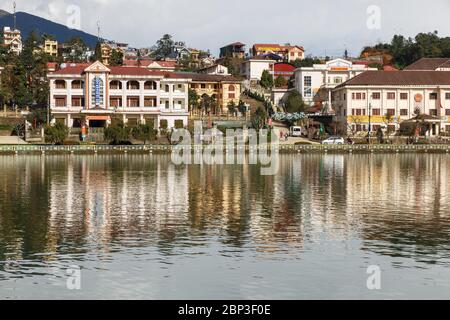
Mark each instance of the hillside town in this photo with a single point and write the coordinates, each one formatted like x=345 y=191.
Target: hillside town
x=84 y=91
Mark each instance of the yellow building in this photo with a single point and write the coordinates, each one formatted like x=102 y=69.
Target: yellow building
x=224 y=88
x=106 y=53
x=51 y=48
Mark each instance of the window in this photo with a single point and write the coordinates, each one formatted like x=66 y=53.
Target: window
x=433 y=112
x=447 y=112
x=307 y=85
x=358 y=96
x=149 y=102
x=376 y=112
x=433 y=96
x=203 y=86
x=150 y=85
x=115 y=102
x=376 y=96
x=60 y=102
x=391 y=95
x=133 y=102
x=115 y=85
x=391 y=112
x=403 y=112
x=231 y=88
x=77 y=102
x=60 y=84
x=337 y=80
x=133 y=85
x=77 y=84
x=180 y=87
x=447 y=128
x=403 y=96
x=447 y=96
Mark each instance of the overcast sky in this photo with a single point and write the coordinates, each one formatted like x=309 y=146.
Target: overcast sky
x=321 y=26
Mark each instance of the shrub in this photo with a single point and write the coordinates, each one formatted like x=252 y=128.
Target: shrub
x=56 y=134
x=117 y=133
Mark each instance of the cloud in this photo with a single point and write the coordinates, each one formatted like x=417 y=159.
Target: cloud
x=321 y=26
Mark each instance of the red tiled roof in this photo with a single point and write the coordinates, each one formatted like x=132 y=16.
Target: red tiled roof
x=427 y=64
x=147 y=63
x=402 y=78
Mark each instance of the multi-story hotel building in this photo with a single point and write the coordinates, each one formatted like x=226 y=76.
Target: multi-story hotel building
x=225 y=89
x=367 y=98
x=13 y=39
x=95 y=94
x=51 y=48
x=316 y=83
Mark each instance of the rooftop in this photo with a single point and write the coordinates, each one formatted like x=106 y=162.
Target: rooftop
x=428 y=64
x=400 y=78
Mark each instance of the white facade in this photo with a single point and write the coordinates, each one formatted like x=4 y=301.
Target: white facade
x=279 y=95
x=252 y=69
x=216 y=69
x=354 y=104
x=13 y=39
x=319 y=80
x=97 y=93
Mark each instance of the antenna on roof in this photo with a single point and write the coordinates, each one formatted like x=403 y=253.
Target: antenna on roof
x=98 y=30
x=14 y=5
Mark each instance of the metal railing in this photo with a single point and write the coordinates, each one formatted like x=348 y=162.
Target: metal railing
x=281 y=148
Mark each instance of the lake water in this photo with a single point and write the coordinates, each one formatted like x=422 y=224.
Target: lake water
x=139 y=227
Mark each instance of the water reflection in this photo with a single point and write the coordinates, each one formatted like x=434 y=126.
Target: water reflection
x=89 y=208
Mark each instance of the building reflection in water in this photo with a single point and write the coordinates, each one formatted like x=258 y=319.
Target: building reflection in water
x=394 y=205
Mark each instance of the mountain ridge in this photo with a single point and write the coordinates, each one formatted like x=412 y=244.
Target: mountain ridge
x=27 y=23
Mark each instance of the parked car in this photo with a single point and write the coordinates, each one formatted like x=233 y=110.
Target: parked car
x=334 y=140
x=295 y=131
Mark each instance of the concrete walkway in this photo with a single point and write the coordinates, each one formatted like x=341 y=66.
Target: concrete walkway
x=11 y=140
x=294 y=140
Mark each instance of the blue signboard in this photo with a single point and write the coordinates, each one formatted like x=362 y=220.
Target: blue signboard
x=97 y=90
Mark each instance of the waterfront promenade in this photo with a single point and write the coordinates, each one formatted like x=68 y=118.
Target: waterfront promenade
x=166 y=149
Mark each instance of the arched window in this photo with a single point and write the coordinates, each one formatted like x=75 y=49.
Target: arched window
x=115 y=85
x=77 y=84
x=150 y=85
x=231 y=87
x=133 y=85
x=60 y=84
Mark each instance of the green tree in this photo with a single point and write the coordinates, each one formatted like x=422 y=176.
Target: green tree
x=294 y=102
x=193 y=100
x=98 y=56
x=117 y=133
x=266 y=79
x=164 y=47
x=280 y=81
x=75 y=49
x=232 y=108
x=116 y=58
x=258 y=119
x=144 y=132
x=56 y=134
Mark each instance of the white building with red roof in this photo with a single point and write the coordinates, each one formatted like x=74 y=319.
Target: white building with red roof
x=94 y=94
